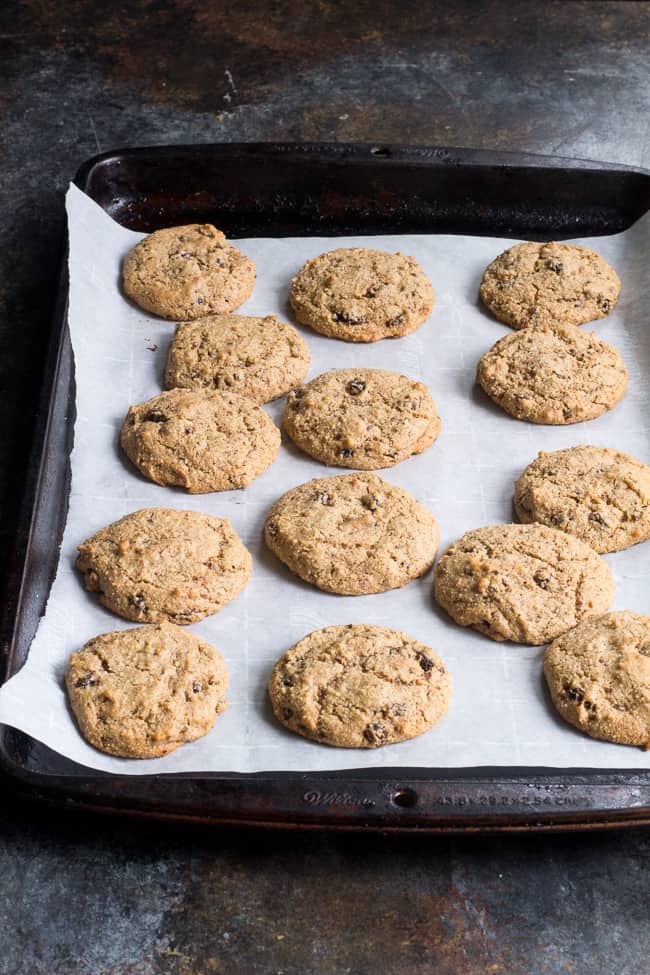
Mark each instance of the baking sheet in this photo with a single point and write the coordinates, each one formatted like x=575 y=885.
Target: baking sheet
x=500 y=713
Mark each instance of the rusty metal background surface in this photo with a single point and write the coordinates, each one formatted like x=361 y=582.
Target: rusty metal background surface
x=103 y=897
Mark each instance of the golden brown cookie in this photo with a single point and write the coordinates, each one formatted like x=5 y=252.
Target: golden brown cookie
x=363 y=418
x=599 y=677
x=261 y=358
x=199 y=440
x=526 y=583
x=140 y=693
x=599 y=495
x=361 y=295
x=553 y=375
x=187 y=272
x=160 y=564
x=352 y=534
x=359 y=686
x=549 y=284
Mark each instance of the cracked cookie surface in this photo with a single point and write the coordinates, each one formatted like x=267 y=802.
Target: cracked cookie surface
x=161 y=564
x=352 y=534
x=601 y=496
x=187 y=272
x=261 y=358
x=359 y=686
x=361 y=295
x=599 y=677
x=553 y=375
x=526 y=583
x=546 y=284
x=140 y=693
x=202 y=441
x=363 y=418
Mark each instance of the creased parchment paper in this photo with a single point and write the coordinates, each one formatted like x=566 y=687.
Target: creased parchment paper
x=500 y=713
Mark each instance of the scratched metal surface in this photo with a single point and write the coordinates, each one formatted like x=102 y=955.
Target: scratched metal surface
x=95 y=897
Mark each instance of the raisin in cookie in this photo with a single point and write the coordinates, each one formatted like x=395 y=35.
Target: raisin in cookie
x=199 y=440
x=526 y=583
x=160 y=564
x=599 y=677
x=187 y=272
x=261 y=358
x=364 y=418
x=361 y=295
x=359 y=686
x=599 y=495
x=547 y=284
x=352 y=534
x=140 y=693
x=553 y=375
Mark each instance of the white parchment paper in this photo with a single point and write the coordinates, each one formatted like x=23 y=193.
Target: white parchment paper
x=500 y=713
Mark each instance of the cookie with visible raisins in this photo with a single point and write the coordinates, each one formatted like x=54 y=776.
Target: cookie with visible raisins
x=599 y=677
x=352 y=534
x=553 y=375
x=200 y=440
x=261 y=358
x=548 y=284
x=359 y=686
x=187 y=272
x=525 y=583
x=363 y=418
x=161 y=564
x=361 y=295
x=140 y=693
x=597 y=494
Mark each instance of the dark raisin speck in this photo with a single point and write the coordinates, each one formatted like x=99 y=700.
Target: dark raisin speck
x=347 y=319
x=554 y=265
x=325 y=499
x=197 y=686
x=138 y=602
x=287 y=713
x=287 y=681
x=295 y=396
x=183 y=616
x=397 y=320
x=574 y=693
x=375 y=733
x=155 y=416
x=86 y=681
x=541 y=579
x=355 y=387
x=346 y=452
x=425 y=663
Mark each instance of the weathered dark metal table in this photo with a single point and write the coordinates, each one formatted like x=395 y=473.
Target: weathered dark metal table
x=98 y=897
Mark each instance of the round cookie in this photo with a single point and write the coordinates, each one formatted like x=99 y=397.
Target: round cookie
x=261 y=358
x=599 y=495
x=140 y=693
x=526 y=583
x=199 y=440
x=599 y=677
x=352 y=534
x=359 y=686
x=160 y=564
x=187 y=272
x=363 y=418
x=361 y=295
x=553 y=375
x=547 y=284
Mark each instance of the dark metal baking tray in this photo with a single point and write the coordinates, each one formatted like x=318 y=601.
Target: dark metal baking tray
x=300 y=189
